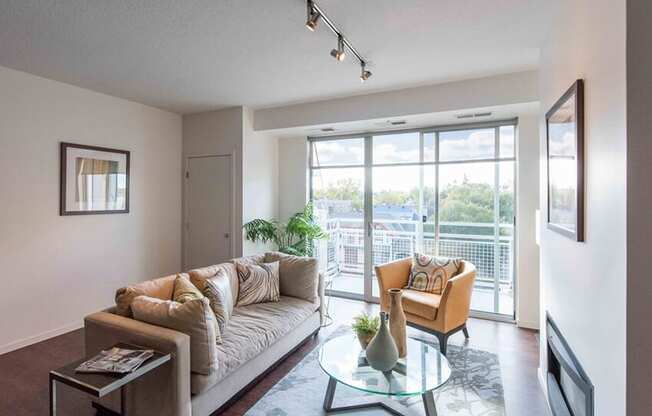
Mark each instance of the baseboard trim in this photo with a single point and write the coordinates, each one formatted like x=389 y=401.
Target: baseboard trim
x=25 y=342
x=544 y=388
x=528 y=324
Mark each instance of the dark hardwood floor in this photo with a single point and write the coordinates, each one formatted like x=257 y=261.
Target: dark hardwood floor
x=24 y=373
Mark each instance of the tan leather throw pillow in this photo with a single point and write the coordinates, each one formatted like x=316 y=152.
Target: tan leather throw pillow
x=194 y=318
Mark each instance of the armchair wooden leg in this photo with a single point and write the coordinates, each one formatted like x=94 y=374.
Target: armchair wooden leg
x=466 y=332
x=443 y=343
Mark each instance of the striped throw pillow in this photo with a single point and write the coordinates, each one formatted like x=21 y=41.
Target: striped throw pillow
x=258 y=283
x=430 y=273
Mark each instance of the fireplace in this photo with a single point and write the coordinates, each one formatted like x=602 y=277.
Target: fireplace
x=570 y=392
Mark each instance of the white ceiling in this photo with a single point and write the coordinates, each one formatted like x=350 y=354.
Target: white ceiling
x=189 y=56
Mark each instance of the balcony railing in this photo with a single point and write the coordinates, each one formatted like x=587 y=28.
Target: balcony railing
x=393 y=239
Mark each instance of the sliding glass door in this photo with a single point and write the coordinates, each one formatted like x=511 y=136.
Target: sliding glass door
x=440 y=191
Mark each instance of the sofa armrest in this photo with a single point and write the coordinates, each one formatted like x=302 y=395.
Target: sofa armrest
x=164 y=391
x=394 y=275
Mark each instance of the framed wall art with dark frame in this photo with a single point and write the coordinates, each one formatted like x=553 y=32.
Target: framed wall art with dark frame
x=565 y=162
x=93 y=180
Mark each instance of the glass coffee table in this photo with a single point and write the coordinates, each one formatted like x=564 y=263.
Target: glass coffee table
x=423 y=370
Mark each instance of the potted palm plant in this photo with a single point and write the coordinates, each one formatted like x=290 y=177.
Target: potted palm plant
x=296 y=237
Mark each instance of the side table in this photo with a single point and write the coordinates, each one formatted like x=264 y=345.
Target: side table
x=98 y=384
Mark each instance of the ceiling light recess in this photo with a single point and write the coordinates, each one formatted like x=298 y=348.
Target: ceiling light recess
x=314 y=13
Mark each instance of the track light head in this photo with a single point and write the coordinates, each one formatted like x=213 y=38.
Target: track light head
x=312 y=16
x=364 y=74
x=339 y=53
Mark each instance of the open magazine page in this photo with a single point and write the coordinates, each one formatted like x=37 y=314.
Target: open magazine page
x=115 y=360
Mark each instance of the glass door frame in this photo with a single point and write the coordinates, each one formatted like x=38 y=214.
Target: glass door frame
x=368 y=198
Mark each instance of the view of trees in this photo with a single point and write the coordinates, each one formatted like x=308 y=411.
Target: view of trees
x=460 y=202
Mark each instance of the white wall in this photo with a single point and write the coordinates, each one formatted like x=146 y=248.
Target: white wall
x=527 y=251
x=584 y=284
x=260 y=179
x=498 y=90
x=219 y=133
x=58 y=269
x=292 y=176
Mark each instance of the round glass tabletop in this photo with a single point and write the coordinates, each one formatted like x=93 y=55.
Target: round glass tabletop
x=423 y=369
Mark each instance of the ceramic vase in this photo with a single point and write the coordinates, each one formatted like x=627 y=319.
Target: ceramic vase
x=382 y=353
x=397 y=321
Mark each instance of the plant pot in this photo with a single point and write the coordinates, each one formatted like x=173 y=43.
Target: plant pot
x=365 y=338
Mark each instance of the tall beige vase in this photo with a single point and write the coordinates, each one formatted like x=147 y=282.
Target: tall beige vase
x=397 y=321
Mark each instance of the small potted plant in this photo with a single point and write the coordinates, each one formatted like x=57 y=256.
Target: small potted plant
x=365 y=327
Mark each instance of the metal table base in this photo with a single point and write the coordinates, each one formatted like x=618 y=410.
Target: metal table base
x=392 y=406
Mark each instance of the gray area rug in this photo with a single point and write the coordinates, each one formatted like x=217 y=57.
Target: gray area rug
x=474 y=389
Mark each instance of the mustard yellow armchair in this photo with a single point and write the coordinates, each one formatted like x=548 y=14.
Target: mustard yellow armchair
x=441 y=315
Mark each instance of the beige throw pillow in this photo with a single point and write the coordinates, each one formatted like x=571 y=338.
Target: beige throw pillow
x=161 y=288
x=430 y=273
x=217 y=290
x=258 y=283
x=194 y=318
x=299 y=276
x=184 y=290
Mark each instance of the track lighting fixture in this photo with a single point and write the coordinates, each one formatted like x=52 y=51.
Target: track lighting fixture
x=339 y=53
x=312 y=16
x=314 y=13
x=364 y=74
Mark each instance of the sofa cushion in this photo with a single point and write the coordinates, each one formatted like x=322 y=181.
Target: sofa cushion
x=299 y=276
x=161 y=288
x=423 y=304
x=198 y=276
x=218 y=291
x=194 y=318
x=252 y=259
x=257 y=283
x=252 y=330
x=431 y=273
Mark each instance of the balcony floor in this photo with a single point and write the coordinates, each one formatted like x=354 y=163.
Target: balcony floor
x=482 y=300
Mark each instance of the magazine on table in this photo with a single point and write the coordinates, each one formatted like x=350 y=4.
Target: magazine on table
x=116 y=360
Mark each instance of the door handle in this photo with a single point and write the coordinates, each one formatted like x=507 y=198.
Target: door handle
x=226 y=235
x=369 y=229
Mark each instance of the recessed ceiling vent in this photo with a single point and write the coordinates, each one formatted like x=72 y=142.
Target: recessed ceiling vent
x=328 y=129
x=473 y=115
x=398 y=123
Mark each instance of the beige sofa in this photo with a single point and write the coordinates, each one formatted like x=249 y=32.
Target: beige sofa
x=258 y=336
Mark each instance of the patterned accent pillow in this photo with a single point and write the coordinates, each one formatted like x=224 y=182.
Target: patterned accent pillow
x=258 y=283
x=218 y=291
x=430 y=273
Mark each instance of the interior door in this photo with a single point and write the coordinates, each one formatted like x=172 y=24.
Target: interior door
x=208 y=222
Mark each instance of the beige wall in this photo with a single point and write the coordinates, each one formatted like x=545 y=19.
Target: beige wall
x=292 y=176
x=584 y=284
x=219 y=133
x=58 y=269
x=639 y=208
